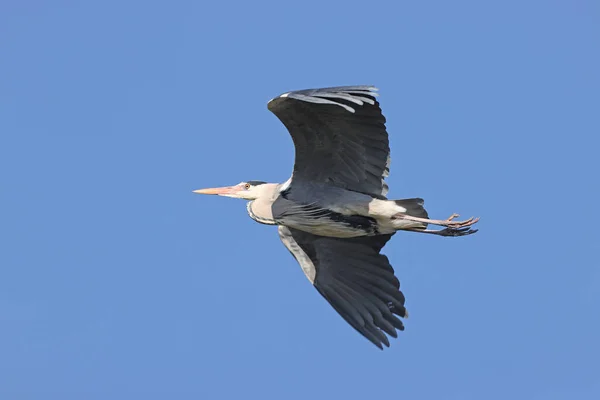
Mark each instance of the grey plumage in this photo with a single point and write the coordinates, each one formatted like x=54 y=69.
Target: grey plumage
x=333 y=214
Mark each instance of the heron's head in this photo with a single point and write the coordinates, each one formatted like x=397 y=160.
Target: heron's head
x=250 y=190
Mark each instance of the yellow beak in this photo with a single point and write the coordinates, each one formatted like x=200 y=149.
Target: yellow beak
x=219 y=190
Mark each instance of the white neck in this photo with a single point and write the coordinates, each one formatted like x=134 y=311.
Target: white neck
x=260 y=209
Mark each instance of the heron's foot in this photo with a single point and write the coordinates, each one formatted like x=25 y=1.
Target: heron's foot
x=458 y=224
x=448 y=232
x=450 y=218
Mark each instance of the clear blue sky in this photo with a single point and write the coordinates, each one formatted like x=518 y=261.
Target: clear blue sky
x=116 y=282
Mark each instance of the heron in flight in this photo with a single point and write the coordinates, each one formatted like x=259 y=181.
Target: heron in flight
x=332 y=214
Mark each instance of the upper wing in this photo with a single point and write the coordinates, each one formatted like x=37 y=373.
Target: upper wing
x=354 y=278
x=340 y=137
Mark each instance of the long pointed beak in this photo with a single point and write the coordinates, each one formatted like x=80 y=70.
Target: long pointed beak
x=220 y=190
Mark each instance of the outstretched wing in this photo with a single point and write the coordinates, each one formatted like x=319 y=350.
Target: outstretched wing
x=354 y=278
x=339 y=135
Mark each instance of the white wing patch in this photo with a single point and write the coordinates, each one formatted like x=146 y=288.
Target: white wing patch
x=286 y=184
x=305 y=262
x=352 y=94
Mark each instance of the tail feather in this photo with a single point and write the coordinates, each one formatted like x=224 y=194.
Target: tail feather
x=414 y=207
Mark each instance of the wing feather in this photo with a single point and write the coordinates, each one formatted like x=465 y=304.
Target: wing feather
x=339 y=135
x=354 y=278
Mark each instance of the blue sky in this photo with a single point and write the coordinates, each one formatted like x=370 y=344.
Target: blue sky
x=116 y=281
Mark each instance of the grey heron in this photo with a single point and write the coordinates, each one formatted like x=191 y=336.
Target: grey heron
x=332 y=214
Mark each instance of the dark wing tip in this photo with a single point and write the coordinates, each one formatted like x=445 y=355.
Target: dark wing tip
x=364 y=291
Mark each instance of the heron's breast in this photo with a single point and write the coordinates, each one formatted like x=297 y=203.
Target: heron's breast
x=261 y=212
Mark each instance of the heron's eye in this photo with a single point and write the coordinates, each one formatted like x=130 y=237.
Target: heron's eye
x=247 y=186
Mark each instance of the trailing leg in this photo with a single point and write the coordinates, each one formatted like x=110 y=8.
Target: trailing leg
x=448 y=232
x=450 y=223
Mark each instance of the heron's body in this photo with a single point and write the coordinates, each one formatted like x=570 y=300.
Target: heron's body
x=326 y=210
x=333 y=214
